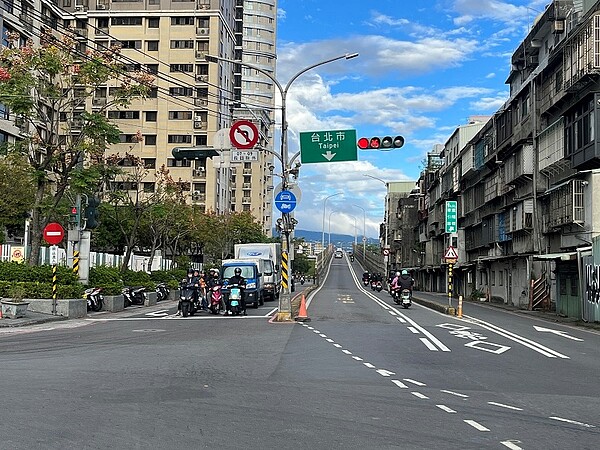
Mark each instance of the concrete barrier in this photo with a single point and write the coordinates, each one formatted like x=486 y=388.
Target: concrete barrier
x=113 y=303
x=150 y=298
x=72 y=308
x=450 y=310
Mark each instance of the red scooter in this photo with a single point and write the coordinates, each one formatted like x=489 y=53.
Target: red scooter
x=216 y=299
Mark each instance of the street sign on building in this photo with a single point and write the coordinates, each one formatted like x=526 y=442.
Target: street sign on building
x=328 y=146
x=451 y=216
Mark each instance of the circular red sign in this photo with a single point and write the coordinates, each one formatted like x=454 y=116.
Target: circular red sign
x=243 y=134
x=54 y=233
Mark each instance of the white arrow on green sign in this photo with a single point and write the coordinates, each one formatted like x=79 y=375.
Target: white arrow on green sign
x=328 y=146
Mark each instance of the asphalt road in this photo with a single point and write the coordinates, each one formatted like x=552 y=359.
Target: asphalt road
x=361 y=374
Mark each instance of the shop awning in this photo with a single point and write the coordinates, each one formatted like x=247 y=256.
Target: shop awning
x=564 y=256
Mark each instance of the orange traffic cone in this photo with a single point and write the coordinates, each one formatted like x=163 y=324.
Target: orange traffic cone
x=302 y=314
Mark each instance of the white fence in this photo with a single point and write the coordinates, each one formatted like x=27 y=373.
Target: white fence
x=137 y=263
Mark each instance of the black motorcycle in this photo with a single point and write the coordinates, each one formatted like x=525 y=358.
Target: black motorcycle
x=162 y=292
x=187 y=299
x=134 y=295
x=94 y=298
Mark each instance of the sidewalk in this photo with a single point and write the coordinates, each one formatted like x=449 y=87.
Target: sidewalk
x=439 y=302
x=31 y=318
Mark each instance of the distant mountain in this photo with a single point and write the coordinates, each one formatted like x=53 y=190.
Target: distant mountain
x=339 y=240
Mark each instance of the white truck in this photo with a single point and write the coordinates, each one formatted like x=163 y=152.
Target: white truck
x=270 y=253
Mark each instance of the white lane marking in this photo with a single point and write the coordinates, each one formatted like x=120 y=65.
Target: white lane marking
x=476 y=425
x=574 y=422
x=458 y=394
x=490 y=347
x=512 y=445
x=445 y=408
x=417 y=383
x=401 y=320
x=418 y=394
x=172 y=317
x=357 y=358
x=393 y=313
x=323 y=335
x=535 y=346
x=428 y=344
x=413 y=330
x=400 y=384
x=347 y=352
x=337 y=345
x=369 y=365
x=316 y=332
x=557 y=332
x=331 y=341
x=273 y=311
x=310 y=328
x=501 y=405
x=385 y=373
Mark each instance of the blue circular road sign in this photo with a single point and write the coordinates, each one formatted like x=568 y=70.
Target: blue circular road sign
x=285 y=201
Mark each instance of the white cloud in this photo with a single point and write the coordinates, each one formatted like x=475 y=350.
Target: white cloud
x=281 y=14
x=496 y=10
x=490 y=104
x=490 y=75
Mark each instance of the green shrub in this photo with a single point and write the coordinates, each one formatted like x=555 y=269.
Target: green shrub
x=103 y=276
x=13 y=271
x=33 y=289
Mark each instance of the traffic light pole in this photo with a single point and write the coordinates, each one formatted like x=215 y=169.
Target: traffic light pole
x=287 y=223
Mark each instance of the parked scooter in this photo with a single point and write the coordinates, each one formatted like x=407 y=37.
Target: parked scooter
x=94 y=298
x=134 y=295
x=302 y=280
x=187 y=295
x=162 y=291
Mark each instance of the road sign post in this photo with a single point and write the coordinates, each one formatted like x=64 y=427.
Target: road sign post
x=328 y=146
x=451 y=216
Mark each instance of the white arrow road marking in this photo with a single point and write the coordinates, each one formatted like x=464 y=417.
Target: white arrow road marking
x=505 y=406
x=400 y=384
x=328 y=155
x=445 y=408
x=385 y=373
x=560 y=419
x=557 y=332
x=512 y=445
x=161 y=313
x=476 y=425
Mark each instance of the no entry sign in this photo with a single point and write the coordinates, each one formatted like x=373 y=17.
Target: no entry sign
x=54 y=233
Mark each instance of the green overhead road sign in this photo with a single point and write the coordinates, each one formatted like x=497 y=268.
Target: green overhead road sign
x=328 y=146
x=180 y=153
x=451 y=216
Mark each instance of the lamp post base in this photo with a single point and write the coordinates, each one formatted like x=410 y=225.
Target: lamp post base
x=283 y=316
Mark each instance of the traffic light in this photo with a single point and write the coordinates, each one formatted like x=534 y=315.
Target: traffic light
x=180 y=153
x=74 y=216
x=380 y=143
x=91 y=213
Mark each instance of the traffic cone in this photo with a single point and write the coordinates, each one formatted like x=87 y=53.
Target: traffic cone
x=302 y=314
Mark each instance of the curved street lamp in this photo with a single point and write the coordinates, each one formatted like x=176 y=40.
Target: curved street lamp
x=285 y=307
x=364 y=231
x=323 y=229
x=385 y=222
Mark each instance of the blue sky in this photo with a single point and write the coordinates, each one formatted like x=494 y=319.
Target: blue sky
x=424 y=68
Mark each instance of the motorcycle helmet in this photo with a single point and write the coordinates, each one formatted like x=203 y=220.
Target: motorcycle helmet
x=237 y=271
x=397 y=274
x=405 y=272
x=190 y=271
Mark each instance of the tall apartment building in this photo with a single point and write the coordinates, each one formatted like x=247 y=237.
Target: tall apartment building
x=193 y=98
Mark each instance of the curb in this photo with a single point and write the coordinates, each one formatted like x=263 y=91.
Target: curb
x=449 y=310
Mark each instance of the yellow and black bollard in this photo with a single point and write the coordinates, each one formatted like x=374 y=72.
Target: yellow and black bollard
x=76 y=262
x=284 y=270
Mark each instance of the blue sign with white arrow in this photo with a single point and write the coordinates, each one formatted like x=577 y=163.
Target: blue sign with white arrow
x=285 y=201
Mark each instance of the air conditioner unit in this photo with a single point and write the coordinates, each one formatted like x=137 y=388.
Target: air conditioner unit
x=196 y=193
x=79 y=7
x=203 y=78
x=100 y=6
x=201 y=102
x=202 y=31
x=198 y=124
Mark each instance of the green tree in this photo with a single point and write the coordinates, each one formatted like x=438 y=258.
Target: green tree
x=16 y=185
x=48 y=89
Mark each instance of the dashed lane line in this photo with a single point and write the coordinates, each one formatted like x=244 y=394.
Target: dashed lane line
x=369 y=365
x=447 y=409
x=419 y=395
x=501 y=405
x=415 y=382
x=457 y=394
x=573 y=422
x=512 y=445
x=476 y=425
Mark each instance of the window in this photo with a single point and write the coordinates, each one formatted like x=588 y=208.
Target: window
x=182 y=21
x=179 y=139
x=178 y=163
x=129 y=44
x=153 y=92
x=182 y=68
x=102 y=22
x=181 y=91
x=123 y=114
x=153 y=22
x=182 y=44
x=180 y=115
x=201 y=140
x=151 y=116
x=148 y=187
x=149 y=163
x=126 y=21
x=152 y=68
x=152 y=46
x=150 y=139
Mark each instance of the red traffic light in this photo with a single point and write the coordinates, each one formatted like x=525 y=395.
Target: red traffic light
x=377 y=143
x=74 y=210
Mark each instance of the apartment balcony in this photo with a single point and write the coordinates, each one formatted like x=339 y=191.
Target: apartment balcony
x=246 y=185
x=200 y=172
x=565 y=205
x=201 y=102
x=198 y=196
x=200 y=78
x=246 y=200
x=520 y=217
x=518 y=167
x=99 y=102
